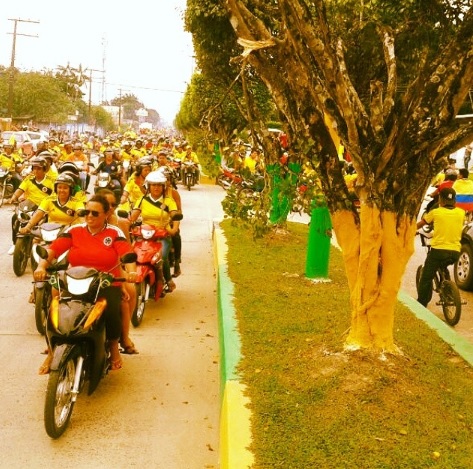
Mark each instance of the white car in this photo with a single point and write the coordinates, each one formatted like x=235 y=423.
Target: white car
x=22 y=136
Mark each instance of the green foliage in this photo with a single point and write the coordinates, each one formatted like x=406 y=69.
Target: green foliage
x=38 y=95
x=315 y=406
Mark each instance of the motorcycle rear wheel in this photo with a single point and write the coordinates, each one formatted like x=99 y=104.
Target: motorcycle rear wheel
x=20 y=256
x=59 y=398
x=139 y=311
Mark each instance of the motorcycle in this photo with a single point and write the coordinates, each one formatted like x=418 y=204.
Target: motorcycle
x=75 y=331
x=23 y=242
x=109 y=181
x=6 y=184
x=189 y=174
x=228 y=177
x=150 y=281
x=44 y=235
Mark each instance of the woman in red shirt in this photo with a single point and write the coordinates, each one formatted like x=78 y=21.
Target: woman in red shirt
x=98 y=245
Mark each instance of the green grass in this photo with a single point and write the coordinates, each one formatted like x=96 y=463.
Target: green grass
x=315 y=406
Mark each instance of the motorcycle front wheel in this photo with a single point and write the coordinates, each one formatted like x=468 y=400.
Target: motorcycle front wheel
x=59 y=398
x=139 y=311
x=41 y=307
x=21 y=255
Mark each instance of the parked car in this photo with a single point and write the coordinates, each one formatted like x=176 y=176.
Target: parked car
x=22 y=136
x=463 y=268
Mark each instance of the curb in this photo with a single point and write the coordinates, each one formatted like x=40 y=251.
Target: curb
x=235 y=433
x=235 y=427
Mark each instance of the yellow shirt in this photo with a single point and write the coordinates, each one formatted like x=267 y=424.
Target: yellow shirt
x=133 y=189
x=64 y=214
x=37 y=191
x=463 y=186
x=448 y=227
x=250 y=163
x=153 y=215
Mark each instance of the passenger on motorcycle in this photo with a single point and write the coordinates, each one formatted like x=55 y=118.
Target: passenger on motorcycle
x=134 y=188
x=11 y=160
x=35 y=188
x=72 y=170
x=173 y=193
x=79 y=158
x=60 y=207
x=192 y=156
x=156 y=209
x=97 y=245
x=128 y=301
x=448 y=223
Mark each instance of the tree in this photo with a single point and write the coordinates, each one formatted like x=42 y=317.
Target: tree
x=388 y=78
x=220 y=99
x=40 y=96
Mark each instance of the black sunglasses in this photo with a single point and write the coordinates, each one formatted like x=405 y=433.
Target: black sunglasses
x=94 y=213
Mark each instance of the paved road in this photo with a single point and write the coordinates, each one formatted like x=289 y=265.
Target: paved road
x=161 y=410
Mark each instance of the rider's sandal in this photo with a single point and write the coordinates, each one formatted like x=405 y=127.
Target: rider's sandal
x=45 y=368
x=129 y=349
x=116 y=364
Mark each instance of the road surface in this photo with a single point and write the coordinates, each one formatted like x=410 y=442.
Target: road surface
x=161 y=410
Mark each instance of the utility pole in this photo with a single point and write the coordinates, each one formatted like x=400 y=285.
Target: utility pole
x=12 y=63
x=90 y=91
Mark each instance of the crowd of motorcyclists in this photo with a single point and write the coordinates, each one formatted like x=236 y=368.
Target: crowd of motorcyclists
x=136 y=175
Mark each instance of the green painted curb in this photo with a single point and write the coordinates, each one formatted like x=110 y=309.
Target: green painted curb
x=462 y=346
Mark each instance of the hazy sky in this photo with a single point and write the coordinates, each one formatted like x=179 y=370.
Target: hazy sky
x=141 y=45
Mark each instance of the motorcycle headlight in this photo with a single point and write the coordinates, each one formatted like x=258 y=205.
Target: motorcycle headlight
x=78 y=286
x=147 y=234
x=49 y=235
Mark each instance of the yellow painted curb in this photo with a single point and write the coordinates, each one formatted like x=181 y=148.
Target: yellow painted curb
x=235 y=434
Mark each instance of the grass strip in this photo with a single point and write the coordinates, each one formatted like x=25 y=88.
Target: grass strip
x=315 y=406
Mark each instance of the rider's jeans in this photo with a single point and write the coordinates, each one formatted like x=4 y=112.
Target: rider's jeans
x=436 y=258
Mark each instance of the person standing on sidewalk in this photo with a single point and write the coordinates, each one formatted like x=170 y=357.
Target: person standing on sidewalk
x=445 y=247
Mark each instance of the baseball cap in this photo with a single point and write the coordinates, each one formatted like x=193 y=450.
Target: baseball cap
x=448 y=196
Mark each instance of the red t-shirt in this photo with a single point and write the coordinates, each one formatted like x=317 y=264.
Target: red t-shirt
x=101 y=251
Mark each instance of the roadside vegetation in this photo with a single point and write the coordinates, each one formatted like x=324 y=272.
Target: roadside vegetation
x=314 y=405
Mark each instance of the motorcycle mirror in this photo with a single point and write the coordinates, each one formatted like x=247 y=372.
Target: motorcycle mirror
x=122 y=214
x=129 y=257
x=177 y=217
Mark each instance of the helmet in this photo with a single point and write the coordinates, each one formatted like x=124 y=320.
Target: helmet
x=155 y=177
x=145 y=161
x=69 y=166
x=46 y=155
x=38 y=161
x=64 y=178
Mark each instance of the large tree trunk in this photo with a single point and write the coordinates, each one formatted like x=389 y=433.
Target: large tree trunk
x=376 y=253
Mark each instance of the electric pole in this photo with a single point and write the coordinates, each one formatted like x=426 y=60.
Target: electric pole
x=12 y=63
x=90 y=91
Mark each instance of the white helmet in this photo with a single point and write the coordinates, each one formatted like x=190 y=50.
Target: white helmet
x=155 y=177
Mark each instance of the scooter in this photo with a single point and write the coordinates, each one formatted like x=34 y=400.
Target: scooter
x=23 y=242
x=189 y=174
x=109 y=181
x=44 y=235
x=228 y=177
x=150 y=282
x=6 y=184
x=149 y=267
x=75 y=331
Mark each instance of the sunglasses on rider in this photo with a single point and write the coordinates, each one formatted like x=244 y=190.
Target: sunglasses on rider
x=94 y=213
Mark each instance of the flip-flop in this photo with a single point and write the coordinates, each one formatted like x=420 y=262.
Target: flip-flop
x=129 y=350
x=116 y=364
